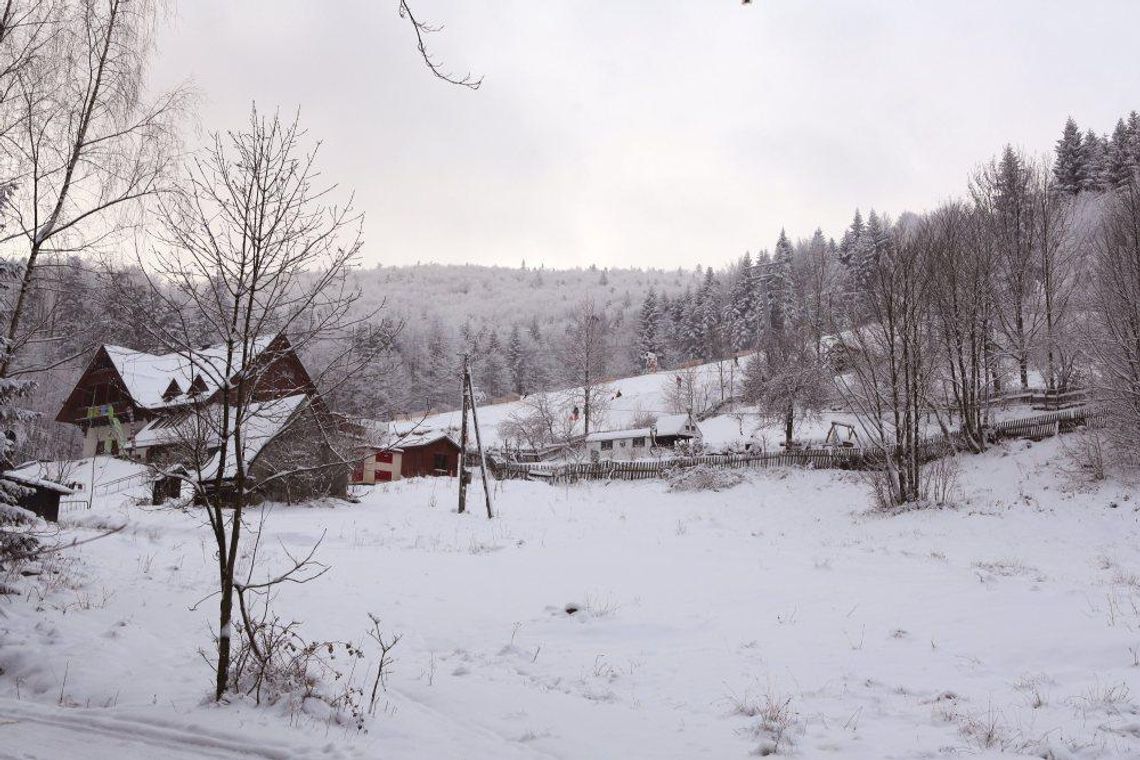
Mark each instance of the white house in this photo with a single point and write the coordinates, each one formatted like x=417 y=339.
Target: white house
x=642 y=443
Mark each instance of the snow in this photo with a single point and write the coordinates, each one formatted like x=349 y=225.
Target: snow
x=1008 y=622
x=615 y=435
x=36 y=482
x=147 y=376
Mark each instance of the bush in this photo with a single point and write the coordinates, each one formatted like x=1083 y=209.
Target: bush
x=703 y=477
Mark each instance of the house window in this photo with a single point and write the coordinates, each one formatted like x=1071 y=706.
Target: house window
x=639 y=443
x=607 y=445
x=621 y=444
x=384 y=456
x=441 y=462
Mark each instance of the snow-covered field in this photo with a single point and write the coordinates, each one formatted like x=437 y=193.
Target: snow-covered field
x=778 y=614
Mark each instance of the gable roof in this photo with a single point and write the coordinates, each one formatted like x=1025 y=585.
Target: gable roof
x=30 y=481
x=147 y=377
x=263 y=421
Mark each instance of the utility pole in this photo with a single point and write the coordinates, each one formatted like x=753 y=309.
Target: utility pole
x=464 y=385
x=479 y=443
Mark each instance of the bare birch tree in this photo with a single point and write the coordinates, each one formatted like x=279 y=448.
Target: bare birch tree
x=88 y=149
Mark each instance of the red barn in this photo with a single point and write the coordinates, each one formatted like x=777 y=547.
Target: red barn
x=433 y=453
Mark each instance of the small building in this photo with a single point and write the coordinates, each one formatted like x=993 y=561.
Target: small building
x=416 y=454
x=38 y=495
x=643 y=443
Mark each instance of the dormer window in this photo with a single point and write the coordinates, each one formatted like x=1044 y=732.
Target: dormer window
x=197 y=387
x=173 y=391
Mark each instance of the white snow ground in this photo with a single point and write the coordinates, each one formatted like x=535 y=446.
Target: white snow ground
x=1008 y=624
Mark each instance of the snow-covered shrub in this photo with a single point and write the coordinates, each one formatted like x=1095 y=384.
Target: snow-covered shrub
x=703 y=477
x=275 y=665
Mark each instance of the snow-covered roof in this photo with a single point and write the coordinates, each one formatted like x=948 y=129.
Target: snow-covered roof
x=675 y=425
x=148 y=376
x=34 y=482
x=263 y=421
x=422 y=438
x=614 y=435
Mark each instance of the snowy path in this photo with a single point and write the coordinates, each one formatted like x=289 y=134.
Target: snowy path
x=38 y=732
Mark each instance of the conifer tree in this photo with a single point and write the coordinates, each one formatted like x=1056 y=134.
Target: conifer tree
x=1069 y=160
x=1094 y=159
x=648 y=335
x=1120 y=163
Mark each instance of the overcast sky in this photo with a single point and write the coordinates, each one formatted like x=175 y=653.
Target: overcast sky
x=653 y=132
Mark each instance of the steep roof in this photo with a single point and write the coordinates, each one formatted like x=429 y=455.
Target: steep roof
x=148 y=376
x=676 y=425
x=264 y=421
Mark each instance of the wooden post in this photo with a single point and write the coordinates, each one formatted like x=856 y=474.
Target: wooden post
x=463 y=443
x=479 y=444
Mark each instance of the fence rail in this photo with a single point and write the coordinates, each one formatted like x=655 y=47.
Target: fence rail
x=118 y=485
x=1037 y=427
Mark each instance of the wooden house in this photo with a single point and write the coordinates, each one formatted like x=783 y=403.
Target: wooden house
x=122 y=391
x=37 y=495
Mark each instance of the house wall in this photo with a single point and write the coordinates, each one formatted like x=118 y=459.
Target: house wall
x=106 y=433
x=622 y=450
x=419 y=461
x=302 y=446
x=378 y=467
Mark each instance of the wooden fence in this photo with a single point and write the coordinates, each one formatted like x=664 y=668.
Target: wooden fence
x=1036 y=427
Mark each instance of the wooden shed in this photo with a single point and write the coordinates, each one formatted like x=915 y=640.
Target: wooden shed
x=40 y=496
x=430 y=453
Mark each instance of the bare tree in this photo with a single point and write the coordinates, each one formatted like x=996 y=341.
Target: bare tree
x=88 y=148
x=1004 y=191
x=886 y=339
x=253 y=247
x=584 y=354
x=1116 y=308
x=961 y=263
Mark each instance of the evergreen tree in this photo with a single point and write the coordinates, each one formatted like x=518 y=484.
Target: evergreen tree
x=850 y=240
x=491 y=375
x=741 y=314
x=1069 y=160
x=781 y=294
x=517 y=361
x=1120 y=162
x=1094 y=158
x=648 y=337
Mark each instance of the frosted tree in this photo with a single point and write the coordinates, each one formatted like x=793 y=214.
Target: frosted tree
x=1121 y=159
x=850 y=240
x=1003 y=190
x=1094 y=157
x=517 y=361
x=786 y=380
x=741 y=308
x=649 y=325
x=1069 y=170
x=491 y=370
x=1116 y=308
x=584 y=358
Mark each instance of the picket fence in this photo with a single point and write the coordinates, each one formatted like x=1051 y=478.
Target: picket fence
x=1036 y=427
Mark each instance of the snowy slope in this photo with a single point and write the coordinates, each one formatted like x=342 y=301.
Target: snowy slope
x=1007 y=624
